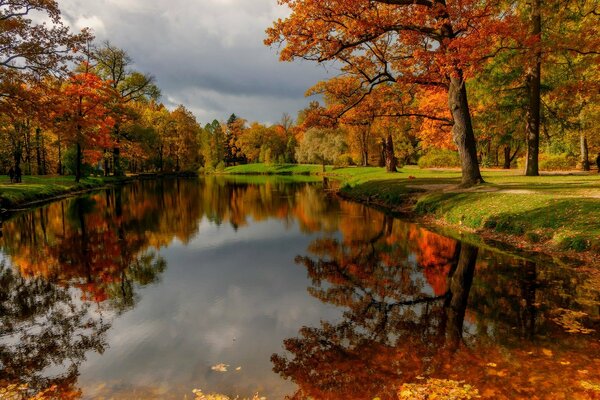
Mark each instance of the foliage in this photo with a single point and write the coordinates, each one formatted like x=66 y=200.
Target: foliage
x=438 y=388
x=439 y=158
x=321 y=146
x=553 y=162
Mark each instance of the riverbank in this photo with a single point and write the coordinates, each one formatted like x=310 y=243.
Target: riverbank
x=557 y=214
x=36 y=189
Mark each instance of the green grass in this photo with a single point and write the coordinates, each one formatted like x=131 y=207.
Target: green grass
x=36 y=188
x=560 y=210
x=265 y=169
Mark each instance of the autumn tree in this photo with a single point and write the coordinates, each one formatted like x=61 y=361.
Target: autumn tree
x=32 y=47
x=234 y=130
x=321 y=146
x=85 y=116
x=423 y=42
x=185 y=145
x=115 y=66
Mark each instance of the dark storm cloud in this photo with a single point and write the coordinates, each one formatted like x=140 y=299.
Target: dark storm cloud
x=207 y=54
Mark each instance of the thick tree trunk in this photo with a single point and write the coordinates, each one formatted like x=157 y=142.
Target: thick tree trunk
x=534 y=84
x=382 y=154
x=585 y=158
x=117 y=161
x=364 y=144
x=507 y=158
x=390 y=157
x=462 y=131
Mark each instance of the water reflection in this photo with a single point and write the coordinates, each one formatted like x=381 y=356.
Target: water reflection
x=42 y=326
x=203 y=272
x=420 y=306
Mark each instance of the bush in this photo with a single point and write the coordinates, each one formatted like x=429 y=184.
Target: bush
x=552 y=162
x=343 y=160
x=439 y=158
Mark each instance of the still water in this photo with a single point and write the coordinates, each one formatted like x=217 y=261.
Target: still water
x=239 y=286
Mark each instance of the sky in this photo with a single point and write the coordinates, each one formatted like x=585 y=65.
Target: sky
x=205 y=54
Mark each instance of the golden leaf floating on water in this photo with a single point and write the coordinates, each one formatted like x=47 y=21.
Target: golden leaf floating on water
x=220 y=367
x=547 y=353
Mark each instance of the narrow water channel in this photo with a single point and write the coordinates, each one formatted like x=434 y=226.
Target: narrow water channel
x=246 y=285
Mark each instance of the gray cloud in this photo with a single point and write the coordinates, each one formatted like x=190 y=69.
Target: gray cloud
x=206 y=54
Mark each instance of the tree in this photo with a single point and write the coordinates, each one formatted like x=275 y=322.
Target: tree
x=185 y=144
x=35 y=48
x=114 y=65
x=85 y=116
x=321 y=146
x=422 y=42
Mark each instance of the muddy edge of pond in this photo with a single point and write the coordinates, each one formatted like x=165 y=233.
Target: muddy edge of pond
x=6 y=212
x=483 y=237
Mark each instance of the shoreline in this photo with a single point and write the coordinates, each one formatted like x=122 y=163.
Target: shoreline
x=479 y=237
x=510 y=213
x=59 y=191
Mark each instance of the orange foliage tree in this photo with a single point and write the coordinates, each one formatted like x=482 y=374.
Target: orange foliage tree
x=85 y=116
x=423 y=42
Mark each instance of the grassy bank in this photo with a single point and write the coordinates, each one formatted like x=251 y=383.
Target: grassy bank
x=557 y=212
x=266 y=169
x=561 y=212
x=36 y=188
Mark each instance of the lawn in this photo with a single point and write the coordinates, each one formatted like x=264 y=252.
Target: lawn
x=561 y=210
x=42 y=187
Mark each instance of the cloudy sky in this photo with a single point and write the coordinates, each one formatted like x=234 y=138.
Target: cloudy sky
x=206 y=54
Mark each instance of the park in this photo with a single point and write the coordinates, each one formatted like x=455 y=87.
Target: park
x=299 y=199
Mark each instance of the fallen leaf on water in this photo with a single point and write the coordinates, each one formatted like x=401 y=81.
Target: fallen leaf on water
x=220 y=367
x=547 y=352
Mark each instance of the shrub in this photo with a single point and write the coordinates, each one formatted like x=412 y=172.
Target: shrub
x=552 y=162
x=343 y=160
x=439 y=158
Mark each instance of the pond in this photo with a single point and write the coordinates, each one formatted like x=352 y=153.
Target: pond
x=254 y=285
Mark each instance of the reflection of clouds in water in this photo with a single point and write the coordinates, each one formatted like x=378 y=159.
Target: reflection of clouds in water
x=225 y=285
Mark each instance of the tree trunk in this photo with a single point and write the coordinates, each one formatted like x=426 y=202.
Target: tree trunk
x=507 y=159
x=585 y=158
x=364 y=144
x=462 y=131
x=28 y=158
x=117 y=153
x=59 y=170
x=382 y=154
x=160 y=158
x=38 y=150
x=390 y=157
x=534 y=84
x=78 y=162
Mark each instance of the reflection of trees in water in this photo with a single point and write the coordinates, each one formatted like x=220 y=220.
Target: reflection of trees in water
x=42 y=326
x=105 y=246
x=401 y=322
x=235 y=202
